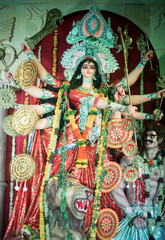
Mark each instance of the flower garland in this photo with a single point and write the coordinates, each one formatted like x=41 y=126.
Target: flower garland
x=39 y=59
x=141 y=93
x=62 y=172
x=53 y=141
x=157 y=84
x=159 y=200
x=44 y=224
x=25 y=139
x=11 y=179
x=82 y=159
x=126 y=40
x=54 y=69
x=100 y=173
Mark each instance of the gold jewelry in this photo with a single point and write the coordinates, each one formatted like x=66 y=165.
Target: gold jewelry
x=22 y=167
x=26 y=74
x=24 y=120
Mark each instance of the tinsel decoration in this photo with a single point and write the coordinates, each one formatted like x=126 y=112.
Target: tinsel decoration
x=141 y=44
x=44 y=225
x=43 y=207
x=25 y=139
x=141 y=93
x=100 y=173
x=39 y=59
x=126 y=41
x=54 y=69
x=62 y=172
x=11 y=180
x=157 y=84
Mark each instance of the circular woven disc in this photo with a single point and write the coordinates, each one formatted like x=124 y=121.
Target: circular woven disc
x=107 y=224
x=113 y=177
x=130 y=174
x=26 y=74
x=24 y=120
x=129 y=123
x=117 y=134
x=130 y=148
x=7 y=126
x=22 y=167
x=7 y=98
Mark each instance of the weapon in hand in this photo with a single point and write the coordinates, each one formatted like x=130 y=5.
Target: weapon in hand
x=2 y=58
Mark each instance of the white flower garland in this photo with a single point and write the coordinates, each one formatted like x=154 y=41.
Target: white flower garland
x=11 y=180
x=159 y=200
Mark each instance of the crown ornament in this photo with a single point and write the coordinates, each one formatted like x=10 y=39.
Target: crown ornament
x=92 y=24
x=91 y=37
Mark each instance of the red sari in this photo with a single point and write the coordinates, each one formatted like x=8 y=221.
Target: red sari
x=26 y=207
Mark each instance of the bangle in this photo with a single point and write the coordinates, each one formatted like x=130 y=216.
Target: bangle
x=117 y=107
x=149 y=96
x=148 y=116
x=30 y=55
x=122 y=83
x=17 y=106
x=47 y=107
x=129 y=210
x=50 y=119
x=143 y=62
x=48 y=79
x=153 y=96
x=45 y=94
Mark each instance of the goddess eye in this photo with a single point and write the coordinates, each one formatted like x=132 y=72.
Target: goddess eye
x=84 y=67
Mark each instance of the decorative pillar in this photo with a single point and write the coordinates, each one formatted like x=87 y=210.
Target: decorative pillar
x=3 y=184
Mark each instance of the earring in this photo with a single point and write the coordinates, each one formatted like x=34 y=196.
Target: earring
x=78 y=76
x=94 y=78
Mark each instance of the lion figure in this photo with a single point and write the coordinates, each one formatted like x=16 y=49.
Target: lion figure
x=78 y=197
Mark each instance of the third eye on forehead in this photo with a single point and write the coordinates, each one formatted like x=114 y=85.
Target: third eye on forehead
x=88 y=65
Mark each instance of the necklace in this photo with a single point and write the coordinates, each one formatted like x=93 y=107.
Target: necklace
x=87 y=90
x=87 y=80
x=81 y=161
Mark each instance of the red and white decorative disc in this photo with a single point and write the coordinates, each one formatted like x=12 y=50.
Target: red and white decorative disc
x=117 y=134
x=107 y=224
x=129 y=123
x=130 y=174
x=113 y=176
x=130 y=148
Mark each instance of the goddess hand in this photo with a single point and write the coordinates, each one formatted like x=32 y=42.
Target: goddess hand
x=25 y=48
x=9 y=75
x=139 y=223
x=161 y=93
x=131 y=109
x=147 y=55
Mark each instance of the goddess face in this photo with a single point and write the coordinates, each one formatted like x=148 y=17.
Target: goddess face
x=88 y=70
x=120 y=92
x=150 y=140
